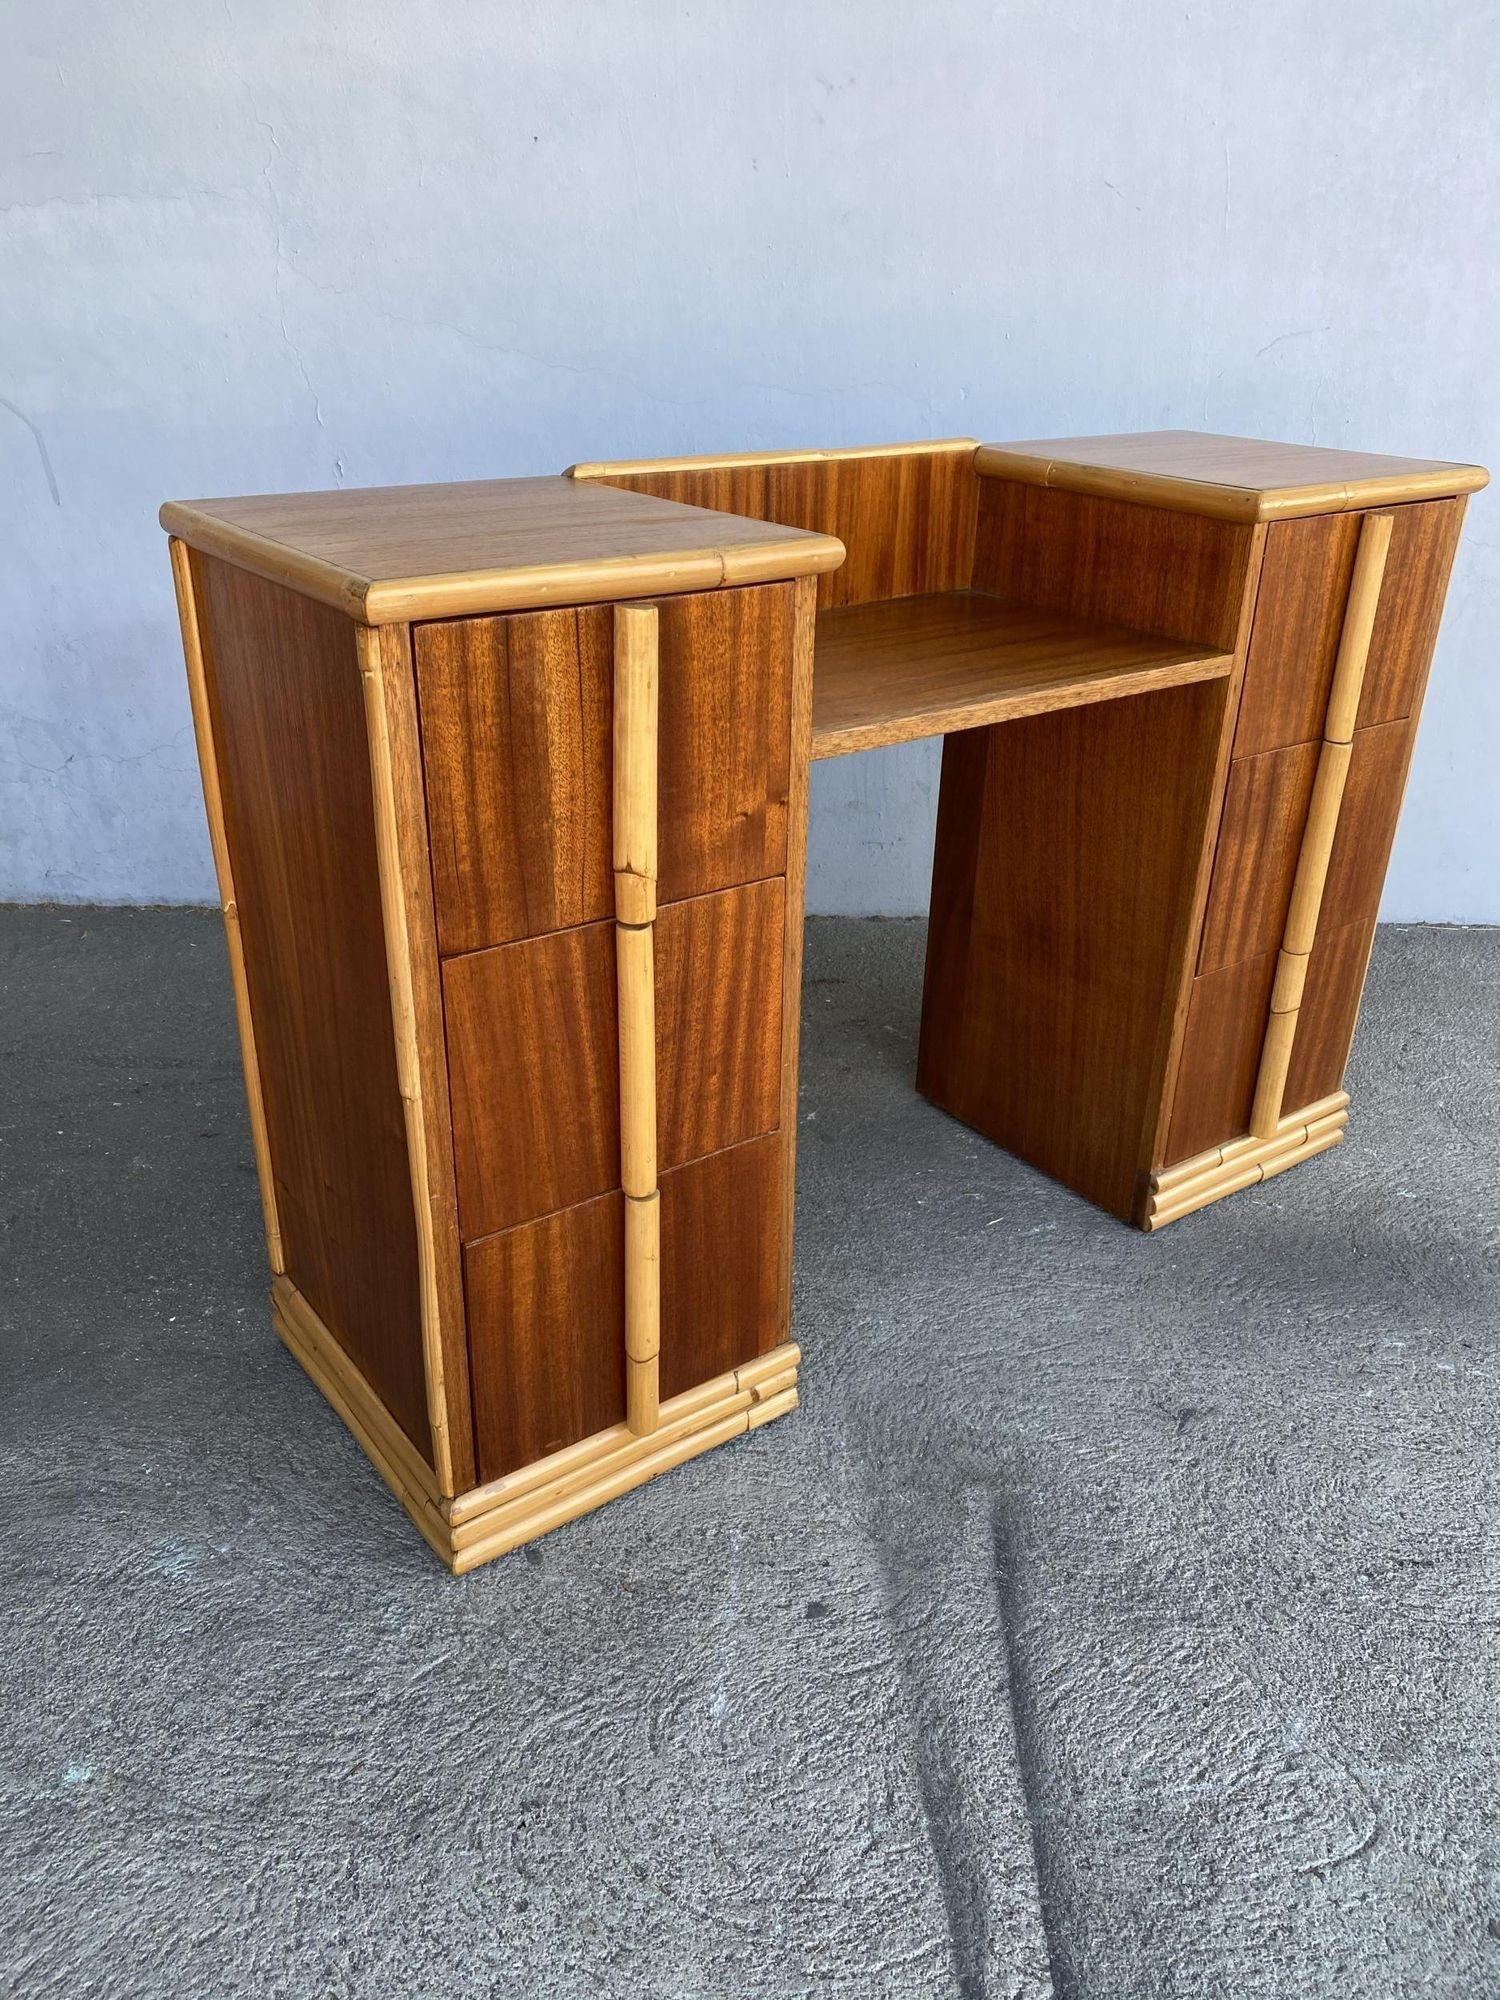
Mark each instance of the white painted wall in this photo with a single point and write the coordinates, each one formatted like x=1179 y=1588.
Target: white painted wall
x=247 y=246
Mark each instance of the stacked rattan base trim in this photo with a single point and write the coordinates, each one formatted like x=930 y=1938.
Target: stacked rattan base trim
x=1242 y=1162
x=491 y=1520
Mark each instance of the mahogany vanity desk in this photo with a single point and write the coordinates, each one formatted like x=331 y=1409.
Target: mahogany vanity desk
x=507 y=784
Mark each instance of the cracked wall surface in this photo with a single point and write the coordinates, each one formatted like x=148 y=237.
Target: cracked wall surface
x=252 y=249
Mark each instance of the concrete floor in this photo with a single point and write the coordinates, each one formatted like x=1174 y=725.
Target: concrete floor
x=1118 y=1616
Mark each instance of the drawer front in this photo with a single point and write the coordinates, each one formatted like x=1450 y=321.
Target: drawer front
x=546 y=1303
x=533 y=1053
x=516 y=742
x=1299 y=617
x=1226 y=1027
x=1294 y=641
x=1367 y=823
x=1260 y=835
x=1424 y=540
x=1330 y=1003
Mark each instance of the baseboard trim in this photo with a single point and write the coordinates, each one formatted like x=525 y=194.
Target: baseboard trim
x=490 y=1520
x=1241 y=1163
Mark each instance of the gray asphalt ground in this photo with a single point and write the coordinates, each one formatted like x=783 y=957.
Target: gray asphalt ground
x=1117 y=1617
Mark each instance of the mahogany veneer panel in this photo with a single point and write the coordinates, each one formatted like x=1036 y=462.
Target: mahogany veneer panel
x=1215 y=1087
x=289 y=722
x=720 y=1262
x=547 y=1333
x=1367 y=822
x=546 y=1304
x=1299 y=615
x=718 y=1019
x=1260 y=836
x=533 y=1047
x=905 y=518
x=516 y=721
x=516 y=754
x=1068 y=847
x=1330 y=1006
x=923 y=666
x=1179 y=575
x=1424 y=541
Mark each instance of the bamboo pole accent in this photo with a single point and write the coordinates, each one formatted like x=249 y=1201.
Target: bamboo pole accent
x=637 y=646
x=1170 y=1179
x=752 y=1379
x=388 y=1449
x=1301 y=926
x=635 y=969
x=635 y=468
x=540 y=1512
x=485 y=1522
x=1224 y=1170
x=636 y=708
x=404 y=1024
x=213 y=805
x=642 y=1312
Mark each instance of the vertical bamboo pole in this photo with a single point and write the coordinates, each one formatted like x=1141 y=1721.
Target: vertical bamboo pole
x=1322 y=822
x=213 y=802
x=404 y=1023
x=635 y=794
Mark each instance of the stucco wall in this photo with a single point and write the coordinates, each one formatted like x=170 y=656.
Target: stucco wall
x=245 y=248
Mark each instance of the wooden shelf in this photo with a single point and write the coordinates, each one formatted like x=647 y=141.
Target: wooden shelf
x=923 y=666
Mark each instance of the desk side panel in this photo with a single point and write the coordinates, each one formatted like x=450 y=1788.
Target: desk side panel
x=1069 y=854
x=289 y=722
x=1181 y=576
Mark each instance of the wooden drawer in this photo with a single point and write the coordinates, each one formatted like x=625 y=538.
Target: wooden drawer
x=533 y=1052
x=1260 y=835
x=1330 y=1003
x=1367 y=823
x=1424 y=540
x=1226 y=1027
x=546 y=1311
x=516 y=745
x=1299 y=616
x=1300 y=613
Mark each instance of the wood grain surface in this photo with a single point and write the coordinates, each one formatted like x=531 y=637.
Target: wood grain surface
x=923 y=666
x=1330 y=1008
x=1176 y=575
x=1299 y=616
x=906 y=515
x=1226 y=1025
x=1241 y=479
x=1260 y=835
x=392 y=554
x=1424 y=541
x=547 y=1308
x=289 y=719
x=516 y=722
x=533 y=1044
x=1068 y=847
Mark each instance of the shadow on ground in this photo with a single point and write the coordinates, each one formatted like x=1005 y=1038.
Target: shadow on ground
x=1117 y=1617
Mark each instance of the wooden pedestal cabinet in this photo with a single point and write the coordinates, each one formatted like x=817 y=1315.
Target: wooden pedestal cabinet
x=416 y=824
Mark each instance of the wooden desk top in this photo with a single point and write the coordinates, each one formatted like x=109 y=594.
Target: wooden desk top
x=1237 y=479
x=392 y=553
